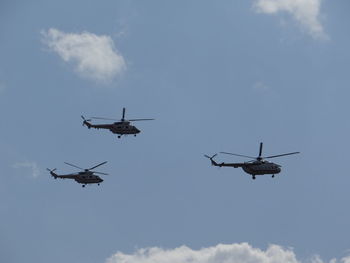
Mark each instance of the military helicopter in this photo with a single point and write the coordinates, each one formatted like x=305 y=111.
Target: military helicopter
x=85 y=177
x=259 y=166
x=121 y=127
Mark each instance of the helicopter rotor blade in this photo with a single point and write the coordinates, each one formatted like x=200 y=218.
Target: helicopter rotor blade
x=260 y=150
x=141 y=120
x=51 y=170
x=96 y=166
x=74 y=166
x=279 y=155
x=84 y=118
x=239 y=155
x=101 y=118
x=123 y=115
x=100 y=173
x=210 y=157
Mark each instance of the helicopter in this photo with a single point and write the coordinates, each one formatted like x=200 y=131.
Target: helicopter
x=87 y=176
x=121 y=127
x=258 y=166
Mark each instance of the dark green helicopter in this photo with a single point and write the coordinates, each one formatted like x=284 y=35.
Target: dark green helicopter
x=258 y=166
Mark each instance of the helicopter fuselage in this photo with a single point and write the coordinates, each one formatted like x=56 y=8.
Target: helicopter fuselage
x=87 y=178
x=120 y=128
x=257 y=167
x=123 y=128
x=260 y=168
x=253 y=168
x=81 y=177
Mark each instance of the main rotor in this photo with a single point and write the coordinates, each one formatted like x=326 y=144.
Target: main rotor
x=260 y=158
x=122 y=119
x=89 y=169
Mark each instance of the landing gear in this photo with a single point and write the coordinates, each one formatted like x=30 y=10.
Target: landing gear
x=134 y=135
x=83 y=185
x=273 y=176
x=119 y=136
x=98 y=184
x=254 y=177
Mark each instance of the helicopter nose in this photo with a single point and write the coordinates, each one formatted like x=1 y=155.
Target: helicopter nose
x=101 y=180
x=137 y=130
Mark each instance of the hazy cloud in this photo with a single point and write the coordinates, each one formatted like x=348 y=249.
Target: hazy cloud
x=95 y=57
x=261 y=87
x=232 y=253
x=306 y=12
x=345 y=260
x=34 y=168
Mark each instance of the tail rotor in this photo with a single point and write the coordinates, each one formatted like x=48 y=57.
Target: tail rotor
x=211 y=158
x=85 y=121
x=52 y=172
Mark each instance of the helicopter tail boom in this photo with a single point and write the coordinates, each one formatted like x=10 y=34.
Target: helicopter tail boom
x=87 y=124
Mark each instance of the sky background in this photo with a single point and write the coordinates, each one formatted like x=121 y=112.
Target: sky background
x=217 y=76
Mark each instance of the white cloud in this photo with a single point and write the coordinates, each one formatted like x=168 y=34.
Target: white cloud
x=306 y=12
x=231 y=253
x=234 y=253
x=94 y=57
x=345 y=260
x=31 y=165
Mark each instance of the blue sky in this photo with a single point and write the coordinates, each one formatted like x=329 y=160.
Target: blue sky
x=216 y=77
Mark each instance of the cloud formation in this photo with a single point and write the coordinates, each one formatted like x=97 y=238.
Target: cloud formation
x=306 y=12
x=35 y=171
x=230 y=253
x=94 y=57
